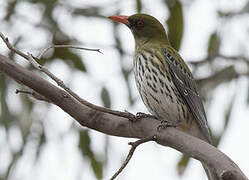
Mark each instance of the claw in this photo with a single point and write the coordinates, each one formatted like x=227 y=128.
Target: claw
x=131 y=116
x=141 y=115
x=165 y=124
x=138 y=116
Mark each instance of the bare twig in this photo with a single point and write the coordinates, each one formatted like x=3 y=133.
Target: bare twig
x=6 y=40
x=33 y=94
x=134 y=145
x=23 y=91
x=60 y=83
x=66 y=46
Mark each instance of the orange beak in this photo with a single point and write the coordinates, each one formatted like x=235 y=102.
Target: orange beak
x=120 y=19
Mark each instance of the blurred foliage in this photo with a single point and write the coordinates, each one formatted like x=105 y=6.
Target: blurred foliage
x=139 y=6
x=213 y=45
x=84 y=145
x=175 y=23
x=105 y=96
x=25 y=117
x=182 y=164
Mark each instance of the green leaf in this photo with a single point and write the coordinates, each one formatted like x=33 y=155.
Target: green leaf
x=175 y=23
x=90 y=11
x=97 y=168
x=11 y=5
x=42 y=140
x=77 y=61
x=6 y=117
x=213 y=45
x=71 y=58
x=228 y=112
x=139 y=6
x=84 y=145
x=182 y=164
x=105 y=97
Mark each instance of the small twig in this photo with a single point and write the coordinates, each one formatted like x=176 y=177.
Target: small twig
x=60 y=83
x=6 y=40
x=33 y=94
x=23 y=91
x=66 y=46
x=134 y=145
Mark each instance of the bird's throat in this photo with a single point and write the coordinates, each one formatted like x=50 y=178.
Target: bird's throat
x=144 y=43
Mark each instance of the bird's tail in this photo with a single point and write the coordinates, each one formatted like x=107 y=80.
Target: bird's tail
x=211 y=174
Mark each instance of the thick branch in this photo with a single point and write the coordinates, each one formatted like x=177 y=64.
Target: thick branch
x=119 y=126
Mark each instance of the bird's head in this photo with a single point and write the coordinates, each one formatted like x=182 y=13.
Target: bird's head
x=145 y=28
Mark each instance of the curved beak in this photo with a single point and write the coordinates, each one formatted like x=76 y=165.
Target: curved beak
x=120 y=19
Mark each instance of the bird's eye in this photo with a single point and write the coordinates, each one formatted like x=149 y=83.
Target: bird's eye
x=140 y=23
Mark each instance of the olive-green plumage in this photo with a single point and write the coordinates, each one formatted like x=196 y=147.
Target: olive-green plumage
x=164 y=81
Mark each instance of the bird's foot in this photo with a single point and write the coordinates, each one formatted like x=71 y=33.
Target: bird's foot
x=139 y=116
x=165 y=124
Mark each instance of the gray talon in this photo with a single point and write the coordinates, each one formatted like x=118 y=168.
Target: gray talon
x=141 y=115
x=165 y=124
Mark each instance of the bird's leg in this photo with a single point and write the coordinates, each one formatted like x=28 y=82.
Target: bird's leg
x=140 y=115
x=165 y=124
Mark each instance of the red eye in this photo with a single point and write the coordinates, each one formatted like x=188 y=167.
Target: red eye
x=140 y=23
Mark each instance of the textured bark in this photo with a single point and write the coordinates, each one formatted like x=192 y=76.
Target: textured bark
x=122 y=127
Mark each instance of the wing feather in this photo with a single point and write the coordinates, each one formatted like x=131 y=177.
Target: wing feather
x=186 y=86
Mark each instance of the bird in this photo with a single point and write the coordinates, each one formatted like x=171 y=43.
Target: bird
x=164 y=81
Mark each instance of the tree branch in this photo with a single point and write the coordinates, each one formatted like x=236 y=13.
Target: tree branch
x=119 y=126
x=59 y=82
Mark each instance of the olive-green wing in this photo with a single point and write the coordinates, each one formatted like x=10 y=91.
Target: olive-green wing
x=185 y=84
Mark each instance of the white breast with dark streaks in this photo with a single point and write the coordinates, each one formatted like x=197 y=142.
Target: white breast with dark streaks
x=157 y=90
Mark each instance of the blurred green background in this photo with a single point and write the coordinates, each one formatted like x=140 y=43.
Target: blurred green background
x=30 y=129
